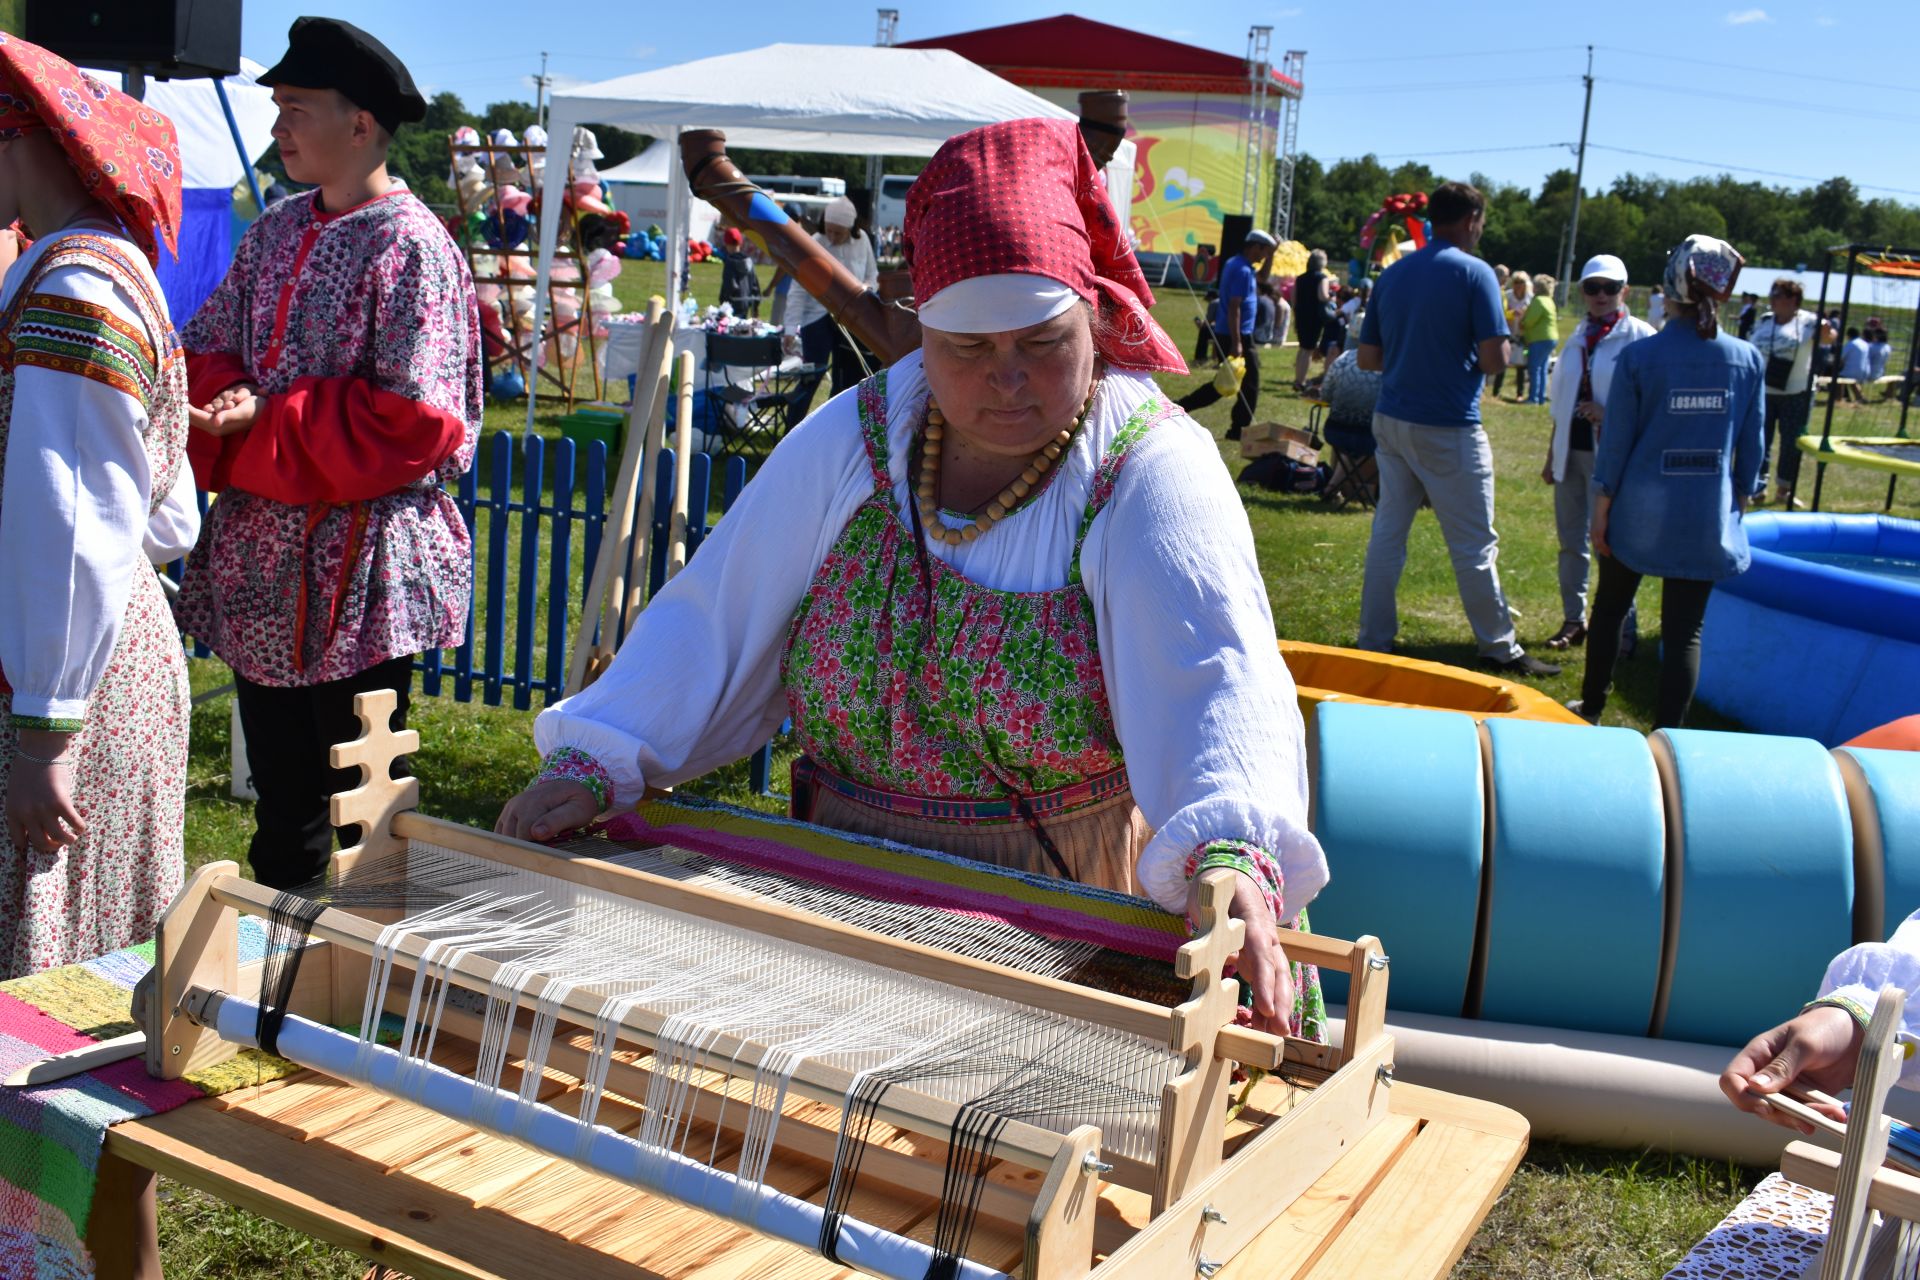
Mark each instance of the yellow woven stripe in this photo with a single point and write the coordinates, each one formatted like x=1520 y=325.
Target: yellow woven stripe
x=249 y=1067
x=663 y=814
x=84 y=1001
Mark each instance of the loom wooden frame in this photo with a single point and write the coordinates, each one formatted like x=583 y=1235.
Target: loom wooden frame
x=1206 y=1207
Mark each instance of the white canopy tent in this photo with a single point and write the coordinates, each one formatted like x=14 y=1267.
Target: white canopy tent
x=836 y=99
x=639 y=188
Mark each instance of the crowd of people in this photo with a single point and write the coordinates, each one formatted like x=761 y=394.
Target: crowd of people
x=1118 y=715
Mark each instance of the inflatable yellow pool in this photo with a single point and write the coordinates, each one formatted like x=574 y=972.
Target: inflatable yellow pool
x=1325 y=673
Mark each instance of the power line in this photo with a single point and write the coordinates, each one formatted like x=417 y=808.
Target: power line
x=1468 y=53
x=1735 y=168
x=1471 y=151
x=1463 y=86
x=1849 y=81
x=1687 y=91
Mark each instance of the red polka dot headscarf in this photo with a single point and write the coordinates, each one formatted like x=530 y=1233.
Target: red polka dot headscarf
x=126 y=153
x=1023 y=198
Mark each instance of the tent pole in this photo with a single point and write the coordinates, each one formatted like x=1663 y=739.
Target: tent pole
x=679 y=210
x=246 y=161
x=553 y=210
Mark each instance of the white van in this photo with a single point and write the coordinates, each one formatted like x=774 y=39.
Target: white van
x=790 y=184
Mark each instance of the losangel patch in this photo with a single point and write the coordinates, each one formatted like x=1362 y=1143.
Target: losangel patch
x=1697 y=400
x=1690 y=462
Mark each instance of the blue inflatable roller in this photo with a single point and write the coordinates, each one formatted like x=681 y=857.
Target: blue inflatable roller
x=1397 y=804
x=1578 y=872
x=1760 y=880
x=1884 y=788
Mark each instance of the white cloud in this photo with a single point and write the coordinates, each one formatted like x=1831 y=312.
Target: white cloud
x=1825 y=21
x=1741 y=17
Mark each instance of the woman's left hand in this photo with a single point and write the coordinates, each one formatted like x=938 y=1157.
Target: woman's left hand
x=1601 y=506
x=1261 y=963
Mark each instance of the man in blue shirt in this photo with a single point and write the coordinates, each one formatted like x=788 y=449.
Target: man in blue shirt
x=1436 y=327
x=1234 y=314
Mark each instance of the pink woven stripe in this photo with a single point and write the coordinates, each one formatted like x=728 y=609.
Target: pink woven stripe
x=131 y=1079
x=771 y=855
x=24 y=1022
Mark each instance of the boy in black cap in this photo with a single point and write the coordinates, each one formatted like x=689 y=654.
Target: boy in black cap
x=336 y=381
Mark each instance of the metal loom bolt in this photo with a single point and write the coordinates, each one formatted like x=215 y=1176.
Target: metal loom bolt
x=1206 y=1266
x=1377 y=963
x=1386 y=1074
x=1211 y=1214
x=1092 y=1164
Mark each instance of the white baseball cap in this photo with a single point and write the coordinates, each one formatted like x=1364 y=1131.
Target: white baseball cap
x=1604 y=266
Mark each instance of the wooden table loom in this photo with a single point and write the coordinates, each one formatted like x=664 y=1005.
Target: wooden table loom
x=1330 y=1170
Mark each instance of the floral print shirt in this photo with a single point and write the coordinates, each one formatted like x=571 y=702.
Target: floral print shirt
x=290 y=594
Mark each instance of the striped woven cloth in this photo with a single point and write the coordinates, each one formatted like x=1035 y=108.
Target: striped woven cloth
x=50 y=1134
x=1136 y=938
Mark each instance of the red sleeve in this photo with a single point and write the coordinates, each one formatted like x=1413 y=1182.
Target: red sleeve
x=210 y=373
x=340 y=440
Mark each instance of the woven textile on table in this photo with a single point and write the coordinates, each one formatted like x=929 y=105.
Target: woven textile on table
x=50 y=1134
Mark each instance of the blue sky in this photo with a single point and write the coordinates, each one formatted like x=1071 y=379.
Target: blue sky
x=1798 y=89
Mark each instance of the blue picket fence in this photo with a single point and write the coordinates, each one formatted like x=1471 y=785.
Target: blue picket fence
x=543 y=500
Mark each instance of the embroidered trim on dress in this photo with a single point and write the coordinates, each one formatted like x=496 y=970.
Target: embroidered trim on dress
x=48 y=724
x=575 y=765
x=1251 y=861
x=1155 y=410
x=67 y=335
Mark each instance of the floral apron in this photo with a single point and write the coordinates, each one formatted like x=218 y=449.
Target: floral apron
x=130 y=755
x=940 y=713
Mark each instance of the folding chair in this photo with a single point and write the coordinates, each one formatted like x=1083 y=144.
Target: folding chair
x=1355 y=476
x=750 y=392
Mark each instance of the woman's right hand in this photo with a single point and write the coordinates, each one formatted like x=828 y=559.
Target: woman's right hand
x=1546 y=470
x=547 y=809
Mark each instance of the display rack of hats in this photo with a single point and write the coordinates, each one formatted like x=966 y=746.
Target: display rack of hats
x=496 y=183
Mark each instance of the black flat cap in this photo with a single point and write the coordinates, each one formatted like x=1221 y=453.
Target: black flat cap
x=326 y=53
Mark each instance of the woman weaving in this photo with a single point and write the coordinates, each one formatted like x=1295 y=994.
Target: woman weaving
x=1004 y=589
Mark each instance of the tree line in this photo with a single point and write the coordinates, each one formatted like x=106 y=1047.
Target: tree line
x=1640 y=217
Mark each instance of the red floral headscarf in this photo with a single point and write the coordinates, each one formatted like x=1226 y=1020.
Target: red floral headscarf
x=126 y=153
x=1024 y=197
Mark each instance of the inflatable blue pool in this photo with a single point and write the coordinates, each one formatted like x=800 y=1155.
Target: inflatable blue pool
x=1821 y=637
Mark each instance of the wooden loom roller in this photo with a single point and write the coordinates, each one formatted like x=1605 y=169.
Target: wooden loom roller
x=1205 y=1205
x=888 y=331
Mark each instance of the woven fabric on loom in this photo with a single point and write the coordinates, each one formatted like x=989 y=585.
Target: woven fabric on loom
x=50 y=1134
x=1136 y=940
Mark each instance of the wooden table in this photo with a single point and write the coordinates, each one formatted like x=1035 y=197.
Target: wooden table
x=433 y=1198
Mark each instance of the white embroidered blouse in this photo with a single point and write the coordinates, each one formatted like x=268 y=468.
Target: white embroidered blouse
x=1203 y=705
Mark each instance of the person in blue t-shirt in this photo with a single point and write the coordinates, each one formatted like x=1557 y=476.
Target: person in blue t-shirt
x=1436 y=326
x=1679 y=454
x=1234 y=316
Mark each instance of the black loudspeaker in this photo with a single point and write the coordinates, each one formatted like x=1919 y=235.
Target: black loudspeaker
x=1233 y=233
x=168 y=39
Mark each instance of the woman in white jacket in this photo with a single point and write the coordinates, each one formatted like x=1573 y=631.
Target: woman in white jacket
x=1577 y=395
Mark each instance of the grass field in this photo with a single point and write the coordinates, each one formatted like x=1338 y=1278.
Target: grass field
x=1568 y=1214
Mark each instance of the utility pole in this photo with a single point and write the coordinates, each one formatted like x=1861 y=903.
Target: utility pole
x=1579 y=174
x=540 y=92
x=886 y=31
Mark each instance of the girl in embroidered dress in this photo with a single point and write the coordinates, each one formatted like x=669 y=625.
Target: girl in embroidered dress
x=93 y=425
x=1004 y=589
